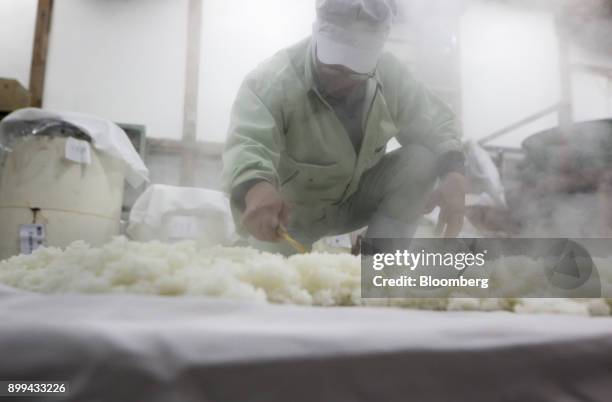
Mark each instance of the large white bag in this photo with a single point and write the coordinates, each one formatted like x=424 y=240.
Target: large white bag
x=171 y=214
x=483 y=175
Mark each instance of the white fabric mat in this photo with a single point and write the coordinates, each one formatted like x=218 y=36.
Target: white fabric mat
x=131 y=348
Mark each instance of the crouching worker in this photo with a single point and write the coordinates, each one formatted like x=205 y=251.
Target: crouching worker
x=306 y=150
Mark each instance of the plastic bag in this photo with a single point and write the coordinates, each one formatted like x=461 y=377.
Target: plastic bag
x=104 y=135
x=171 y=214
x=483 y=175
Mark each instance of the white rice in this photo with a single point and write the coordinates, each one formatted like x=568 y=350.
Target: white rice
x=125 y=267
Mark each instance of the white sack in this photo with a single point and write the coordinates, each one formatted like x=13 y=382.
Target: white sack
x=483 y=174
x=169 y=214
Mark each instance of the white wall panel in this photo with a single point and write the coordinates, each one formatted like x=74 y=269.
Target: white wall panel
x=236 y=37
x=120 y=59
x=592 y=91
x=510 y=70
x=17 y=19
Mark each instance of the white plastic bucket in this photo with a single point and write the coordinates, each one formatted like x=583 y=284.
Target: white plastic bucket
x=75 y=201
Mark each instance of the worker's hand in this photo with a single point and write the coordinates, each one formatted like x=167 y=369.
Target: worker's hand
x=265 y=212
x=450 y=197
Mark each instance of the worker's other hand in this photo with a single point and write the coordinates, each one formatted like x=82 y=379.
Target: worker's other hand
x=450 y=197
x=265 y=212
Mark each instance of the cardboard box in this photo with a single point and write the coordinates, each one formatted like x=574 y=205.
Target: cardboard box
x=13 y=95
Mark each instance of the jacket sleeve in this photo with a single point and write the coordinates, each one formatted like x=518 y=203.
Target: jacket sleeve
x=252 y=148
x=423 y=118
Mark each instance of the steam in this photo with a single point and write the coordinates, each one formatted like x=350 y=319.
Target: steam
x=510 y=70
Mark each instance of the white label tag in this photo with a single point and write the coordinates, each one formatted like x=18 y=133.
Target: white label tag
x=342 y=241
x=32 y=237
x=182 y=227
x=78 y=151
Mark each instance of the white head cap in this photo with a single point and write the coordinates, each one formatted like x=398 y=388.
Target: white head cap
x=353 y=33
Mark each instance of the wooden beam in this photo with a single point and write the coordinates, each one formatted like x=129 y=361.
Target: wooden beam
x=192 y=78
x=39 y=52
x=198 y=148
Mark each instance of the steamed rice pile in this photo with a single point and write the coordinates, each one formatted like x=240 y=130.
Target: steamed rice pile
x=125 y=267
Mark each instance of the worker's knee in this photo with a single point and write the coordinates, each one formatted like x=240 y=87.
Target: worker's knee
x=411 y=180
x=415 y=168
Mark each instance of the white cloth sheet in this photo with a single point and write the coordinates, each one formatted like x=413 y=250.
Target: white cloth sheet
x=131 y=348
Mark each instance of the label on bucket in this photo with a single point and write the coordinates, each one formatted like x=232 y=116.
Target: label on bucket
x=32 y=237
x=78 y=151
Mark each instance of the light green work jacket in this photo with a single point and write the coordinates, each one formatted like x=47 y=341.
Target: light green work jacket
x=283 y=131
